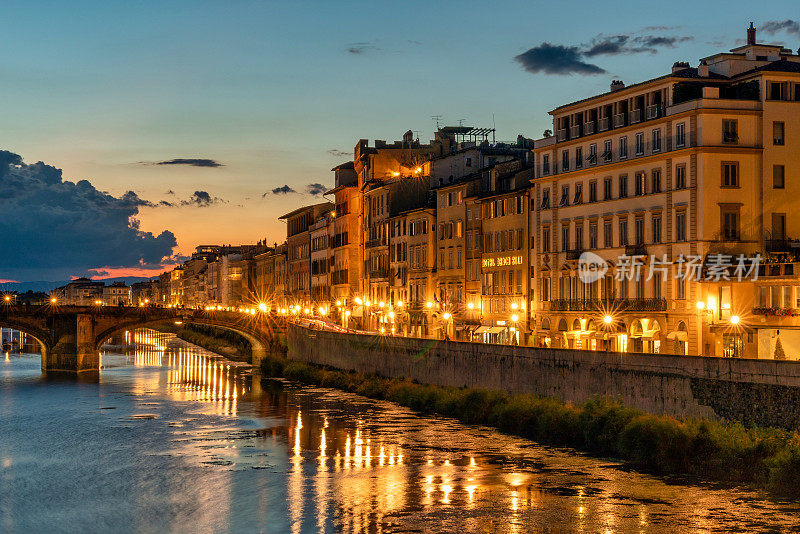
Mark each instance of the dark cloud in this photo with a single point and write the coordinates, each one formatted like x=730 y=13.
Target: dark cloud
x=361 y=48
x=339 y=153
x=775 y=26
x=556 y=59
x=201 y=199
x=560 y=59
x=282 y=190
x=315 y=190
x=51 y=228
x=192 y=162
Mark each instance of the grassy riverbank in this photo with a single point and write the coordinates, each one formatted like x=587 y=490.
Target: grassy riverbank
x=223 y=342
x=712 y=450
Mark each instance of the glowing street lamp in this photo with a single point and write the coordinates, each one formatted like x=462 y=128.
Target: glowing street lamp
x=734 y=319
x=608 y=319
x=262 y=307
x=429 y=304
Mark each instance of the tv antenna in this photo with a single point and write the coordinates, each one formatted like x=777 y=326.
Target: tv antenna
x=437 y=118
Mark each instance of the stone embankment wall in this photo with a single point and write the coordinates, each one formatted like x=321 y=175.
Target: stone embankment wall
x=755 y=392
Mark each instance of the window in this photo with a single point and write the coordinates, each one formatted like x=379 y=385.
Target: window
x=545 y=289
x=546 y=239
x=777 y=91
x=592 y=235
x=778 y=226
x=593 y=191
x=468 y=162
x=578 y=158
x=656 y=146
x=579 y=236
x=564 y=196
x=607 y=188
x=680 y=135
x=638 y=227
x=608 y=235
x=623 y=232
x=623 y=147
x=607 y=154
x=730 y=174
x=565 y=160
x=680 y=288
x=730 y=224
x=546 y=164
x=639 y=144
x=730 y=131
x=623 y=186
x=545 y=199
x=565 y=237
x=656 y=180
x=680 y=226
x=593 y=154
x=777 y=133
x=656 y=229
x=578 y=194
x=680 y=176
x=639 y=186
x=778 y=177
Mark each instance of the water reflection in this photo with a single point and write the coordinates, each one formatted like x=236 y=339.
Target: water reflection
x=173 y=435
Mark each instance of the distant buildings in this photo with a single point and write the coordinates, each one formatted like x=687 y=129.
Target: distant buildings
x=656 y=219
x=86 y=292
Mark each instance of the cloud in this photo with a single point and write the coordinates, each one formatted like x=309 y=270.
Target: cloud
x=556 y=59
x=192 y=162
x=775 y=26
x=202 y=199
x=339 y=153
x=51 y=228
x=282 y=190
x=315 y=190
x=362 y=48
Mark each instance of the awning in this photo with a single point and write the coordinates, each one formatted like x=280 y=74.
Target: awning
x=495 y=329
x=482 y=329
x=679 y=335
x=471 y=327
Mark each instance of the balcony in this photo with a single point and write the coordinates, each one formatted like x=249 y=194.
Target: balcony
x=574 y=131
x=561 y=135
x=619 y=120
x=588 y=128
x=603 y=125
x=605 y=305
x=636 y=116
x=379 y=273
x=372 y=243
x=653 y=112
x=574 y=254
x=636 y=250
x=783 y=245
x=776 y=312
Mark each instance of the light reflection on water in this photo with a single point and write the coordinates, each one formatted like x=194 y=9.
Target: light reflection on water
x=174 y=438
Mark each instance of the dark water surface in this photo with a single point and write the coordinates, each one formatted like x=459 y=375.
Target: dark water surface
x=174 y=439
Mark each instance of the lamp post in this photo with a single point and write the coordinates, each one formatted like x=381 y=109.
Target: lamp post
x=446 y=319
x=512 y=338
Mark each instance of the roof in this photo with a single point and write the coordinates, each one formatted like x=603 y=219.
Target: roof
x=345 y=165
x=305 y=208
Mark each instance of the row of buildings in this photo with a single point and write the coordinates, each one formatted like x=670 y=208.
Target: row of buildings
x=653 y=218
x=86 y=292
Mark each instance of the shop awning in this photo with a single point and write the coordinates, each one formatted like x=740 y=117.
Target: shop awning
x=495 y=329
x=482 y=329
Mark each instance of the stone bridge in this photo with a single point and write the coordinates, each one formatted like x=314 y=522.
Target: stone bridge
x=71 y=336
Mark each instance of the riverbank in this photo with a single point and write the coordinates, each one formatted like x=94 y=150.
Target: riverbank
x=663 y=445
x=217 y=340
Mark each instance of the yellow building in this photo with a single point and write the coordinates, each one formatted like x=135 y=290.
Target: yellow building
x=657 y=179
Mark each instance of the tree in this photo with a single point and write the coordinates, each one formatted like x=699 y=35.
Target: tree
x=548 y=133
x=779 y=353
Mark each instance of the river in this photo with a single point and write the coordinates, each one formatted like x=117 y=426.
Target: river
x=174 y=439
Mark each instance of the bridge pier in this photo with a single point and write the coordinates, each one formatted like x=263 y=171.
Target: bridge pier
x=74 y=350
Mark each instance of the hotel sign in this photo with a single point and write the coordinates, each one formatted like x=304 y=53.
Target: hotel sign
x=502 y=261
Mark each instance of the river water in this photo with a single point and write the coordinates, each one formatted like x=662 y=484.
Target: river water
x=174 y=439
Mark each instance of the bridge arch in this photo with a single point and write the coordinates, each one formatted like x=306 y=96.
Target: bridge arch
x=36 y=333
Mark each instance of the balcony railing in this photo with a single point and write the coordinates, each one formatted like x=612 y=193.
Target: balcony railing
x=561 y=135
x=782 y=245
x=776 y=312
x=588 y=128
x=574 y=254
x=372 y=243
x=619 y=120
x=379 y=273
x=653 y=112
x=609 y=305
x=636 y=116
x=603 y=125
x=635 y=250
x=574 y=131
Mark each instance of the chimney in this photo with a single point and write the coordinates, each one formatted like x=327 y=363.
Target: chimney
x=702 y=70
x=616 y=85
x=679 y=65
x=751 y=35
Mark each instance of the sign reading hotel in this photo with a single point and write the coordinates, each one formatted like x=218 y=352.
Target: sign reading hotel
x=502 y=261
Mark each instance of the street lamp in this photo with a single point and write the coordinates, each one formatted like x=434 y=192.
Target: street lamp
x=262 y=306
x=734 y=319
x=514 y=319
x=608 y=319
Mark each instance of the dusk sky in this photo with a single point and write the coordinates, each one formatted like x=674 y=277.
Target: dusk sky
x=203 y=108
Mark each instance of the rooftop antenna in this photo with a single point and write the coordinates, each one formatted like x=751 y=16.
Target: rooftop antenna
x=461 y=122
x=416 y=133
x=437 y=118
x=494 y=128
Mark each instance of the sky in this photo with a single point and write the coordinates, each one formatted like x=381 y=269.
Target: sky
x=182 y=123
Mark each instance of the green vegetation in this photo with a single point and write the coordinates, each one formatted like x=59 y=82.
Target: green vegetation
x=663 y=445
x=223 y=342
